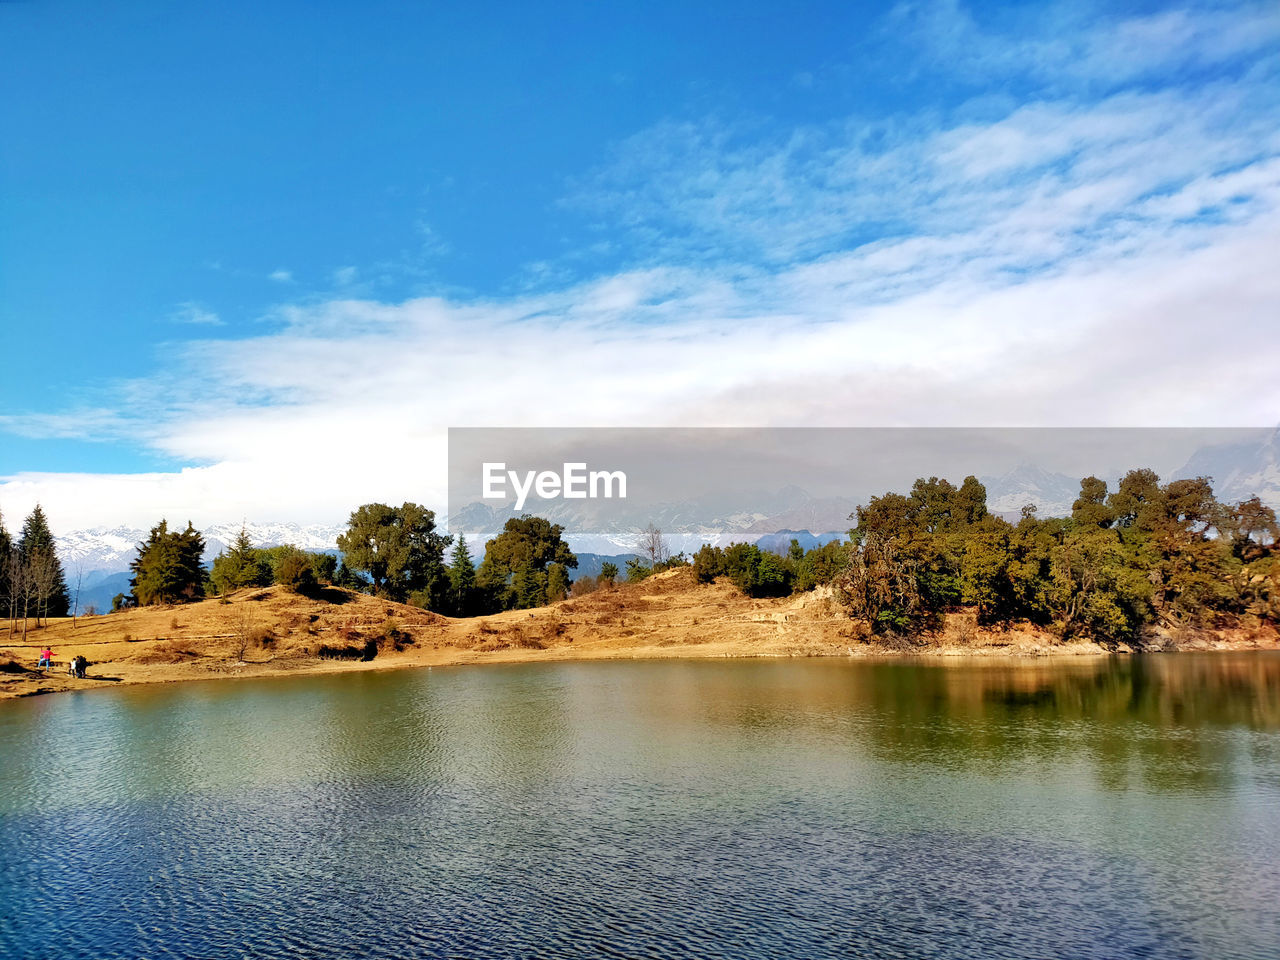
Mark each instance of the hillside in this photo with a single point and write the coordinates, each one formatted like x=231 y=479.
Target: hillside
x=267 y=632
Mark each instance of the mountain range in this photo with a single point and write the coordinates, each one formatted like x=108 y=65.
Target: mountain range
x=99 y=558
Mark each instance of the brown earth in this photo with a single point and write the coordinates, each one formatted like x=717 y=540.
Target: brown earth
x=269 y=632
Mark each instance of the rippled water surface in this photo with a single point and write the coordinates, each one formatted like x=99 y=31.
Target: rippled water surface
x=1126 y=808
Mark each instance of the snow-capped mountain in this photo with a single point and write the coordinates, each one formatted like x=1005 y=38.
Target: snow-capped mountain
x=99 y=553
x=613 y=527
x=1250 y=468
x=1052 y=493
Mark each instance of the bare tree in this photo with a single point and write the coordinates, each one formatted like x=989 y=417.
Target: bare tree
x=245 y=629
x=43 y=568
x=22 y=592
x=653 y=545
x=9 y=562
x=75 y=609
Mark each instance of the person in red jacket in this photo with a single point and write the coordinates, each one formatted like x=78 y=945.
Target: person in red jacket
x=46 y=659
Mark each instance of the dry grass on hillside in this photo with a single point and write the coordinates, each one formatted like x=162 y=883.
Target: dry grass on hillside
x=264 y=632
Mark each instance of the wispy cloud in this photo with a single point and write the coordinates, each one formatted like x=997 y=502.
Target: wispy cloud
x=196 y=315
x=281 y=276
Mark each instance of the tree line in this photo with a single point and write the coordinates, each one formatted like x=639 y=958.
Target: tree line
x=1143 y=554
x=1127 y=559
x=391 y=552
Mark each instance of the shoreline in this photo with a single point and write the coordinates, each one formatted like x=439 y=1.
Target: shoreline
x=271 y=633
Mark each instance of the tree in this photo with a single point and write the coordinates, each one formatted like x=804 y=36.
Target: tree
x=513 y=574
x=880 y=587
x=637 y=570
x=168 y=566
x=557 y=582
x=294 y=571
x=653 y=546
x=708 y=563
x=1091 y=506
x=528 y=587
x=608 y=572
x=241 y=566
x=462 y=579
x=400 y=552
x=38 y=553
x=8 y=560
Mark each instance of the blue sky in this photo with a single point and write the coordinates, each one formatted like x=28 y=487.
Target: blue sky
x=235 y=236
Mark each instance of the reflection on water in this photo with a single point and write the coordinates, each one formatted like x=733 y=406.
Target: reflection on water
x=1113 y=808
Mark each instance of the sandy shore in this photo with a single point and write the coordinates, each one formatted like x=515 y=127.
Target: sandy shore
x=270 y=632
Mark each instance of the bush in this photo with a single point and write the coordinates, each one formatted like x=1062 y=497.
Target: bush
x=708 y=563
x=585 y=585
x=293 y=570
x=637 y=570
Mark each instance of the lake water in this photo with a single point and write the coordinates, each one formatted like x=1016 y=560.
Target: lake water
x=1117 y=808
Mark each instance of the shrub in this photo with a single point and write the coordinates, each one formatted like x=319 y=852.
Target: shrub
x=294 y=571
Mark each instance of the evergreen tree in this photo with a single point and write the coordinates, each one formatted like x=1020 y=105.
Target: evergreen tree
x=462 y=579
x=514 y=571
x=239 y=567
x=557 y=582
x=167 y=568
x=528 y=587
x=38 y=554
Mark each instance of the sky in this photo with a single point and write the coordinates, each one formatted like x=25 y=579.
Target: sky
x=256 y=259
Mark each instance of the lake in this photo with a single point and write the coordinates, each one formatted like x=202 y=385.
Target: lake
x=1125 y=807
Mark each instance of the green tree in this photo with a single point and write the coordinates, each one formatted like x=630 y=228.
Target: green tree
x=241 y=566
x=557 y=582
x=167 y=568
x=38 y=553
x=400 y=552
x=462 y=579
x=608 y=572
x=880 y=587
x=1091 y=506
x=708 y=563
x=294 y=571
x=528 y=587
x=821 y=565
x=637 y=570
x=513 y=573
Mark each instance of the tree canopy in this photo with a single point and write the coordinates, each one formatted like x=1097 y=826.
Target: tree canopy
x=514 y=573
x=168 y=566
x=399 y=551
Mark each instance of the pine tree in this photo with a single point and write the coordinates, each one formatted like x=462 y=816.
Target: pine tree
x=462 y=579
x=529 y=587
x=167 y=568
x=239 y=567
x=557 y=582
x=38 y=554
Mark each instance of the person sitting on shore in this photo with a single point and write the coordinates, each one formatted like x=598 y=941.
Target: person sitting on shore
x=78 y=664
x=46 y=659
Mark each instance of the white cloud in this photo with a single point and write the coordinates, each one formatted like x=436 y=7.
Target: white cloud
x=281 y=276
x=345 y=276
x=196 y=315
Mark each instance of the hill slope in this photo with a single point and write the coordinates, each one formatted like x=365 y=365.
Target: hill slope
x=267 y=632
